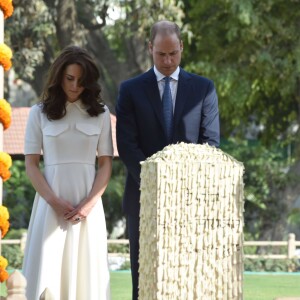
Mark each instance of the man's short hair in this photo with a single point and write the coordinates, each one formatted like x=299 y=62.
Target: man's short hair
x=164 y=28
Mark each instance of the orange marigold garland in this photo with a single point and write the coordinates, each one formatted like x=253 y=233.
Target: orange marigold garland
x=3 y=262
x=3 y=273
x=4 y=223
x=5 y=118
x=5 y=159
x=5 y=164
x=5 y=113
x=7 y=7
x=5 y=56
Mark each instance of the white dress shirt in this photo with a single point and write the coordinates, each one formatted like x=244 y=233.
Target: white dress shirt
x=173 y=83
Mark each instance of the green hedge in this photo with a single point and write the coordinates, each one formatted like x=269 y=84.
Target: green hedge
x=271 y=265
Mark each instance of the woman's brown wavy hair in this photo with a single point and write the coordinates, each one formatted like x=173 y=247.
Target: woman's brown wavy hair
x=54 y=98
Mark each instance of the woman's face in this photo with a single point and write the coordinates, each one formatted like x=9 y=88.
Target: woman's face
x=71 y=82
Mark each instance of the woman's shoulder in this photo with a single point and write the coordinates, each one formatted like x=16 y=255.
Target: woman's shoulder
x=104 y=117
x=36 y=108
x=35 y=114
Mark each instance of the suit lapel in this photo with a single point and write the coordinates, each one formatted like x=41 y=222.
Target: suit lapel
x=183 y=91
x=151 y=88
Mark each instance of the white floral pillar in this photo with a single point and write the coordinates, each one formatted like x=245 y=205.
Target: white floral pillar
x=191 y=225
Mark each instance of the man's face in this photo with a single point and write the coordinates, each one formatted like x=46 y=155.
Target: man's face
x=166 y=53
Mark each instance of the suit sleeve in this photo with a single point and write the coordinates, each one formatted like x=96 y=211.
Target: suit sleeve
x=210 y=126
x=127 y=133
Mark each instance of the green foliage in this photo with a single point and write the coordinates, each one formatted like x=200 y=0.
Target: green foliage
x=251 y=50
x=13 y=253
x=294 y=216
x=18 y=195
x=125 y=265
x=118 y=248
x=39 y=29
x=265 y=176
x=112 y=198
x=271 y=265
x=28 y=31
x=15 y=233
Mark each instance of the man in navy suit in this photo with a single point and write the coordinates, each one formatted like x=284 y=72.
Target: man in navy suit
x=141 y=128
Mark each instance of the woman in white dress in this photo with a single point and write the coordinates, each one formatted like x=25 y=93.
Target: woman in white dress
x=66 y=249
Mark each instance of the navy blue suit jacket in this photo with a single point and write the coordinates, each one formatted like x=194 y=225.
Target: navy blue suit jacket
x=140 y=127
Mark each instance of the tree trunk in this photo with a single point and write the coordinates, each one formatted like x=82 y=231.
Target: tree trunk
x=67 y=26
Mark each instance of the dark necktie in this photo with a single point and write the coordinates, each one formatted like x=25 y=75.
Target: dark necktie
x=168 y=109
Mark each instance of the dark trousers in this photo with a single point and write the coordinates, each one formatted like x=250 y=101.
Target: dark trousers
x=133 y=232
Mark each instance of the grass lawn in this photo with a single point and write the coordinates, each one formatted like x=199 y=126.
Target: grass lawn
x=268 y=287
x=120 y=284
x=256 y=287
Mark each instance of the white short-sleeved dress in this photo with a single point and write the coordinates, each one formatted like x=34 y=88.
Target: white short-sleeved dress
x=70 y=260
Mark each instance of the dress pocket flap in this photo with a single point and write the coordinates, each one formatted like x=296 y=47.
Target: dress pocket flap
x=55 y=130
x=88 y=129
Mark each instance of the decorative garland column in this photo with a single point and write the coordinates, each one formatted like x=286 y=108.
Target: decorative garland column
x=6 y=10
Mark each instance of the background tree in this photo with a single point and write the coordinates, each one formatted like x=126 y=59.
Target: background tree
x=251 y=50
x=39 y=29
